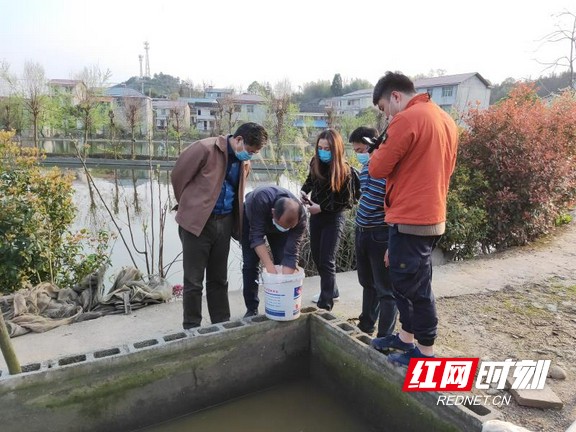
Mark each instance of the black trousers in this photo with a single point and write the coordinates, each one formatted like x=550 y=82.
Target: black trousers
x=378 y=302
x=325 y=232
x=251 y=263
x=206 y=253
x=411 y=277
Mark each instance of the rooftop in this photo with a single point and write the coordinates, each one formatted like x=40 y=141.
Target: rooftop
x=448 y=80
x=123 y=92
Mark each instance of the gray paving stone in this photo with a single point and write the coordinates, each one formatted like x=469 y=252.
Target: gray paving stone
x=544 y=398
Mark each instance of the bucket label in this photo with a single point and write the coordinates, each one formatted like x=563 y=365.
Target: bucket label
x=283 y=302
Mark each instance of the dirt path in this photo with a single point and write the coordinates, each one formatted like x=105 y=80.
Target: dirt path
x=520 y=304
x=554 y=256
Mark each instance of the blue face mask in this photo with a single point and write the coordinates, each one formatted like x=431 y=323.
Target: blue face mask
x=325 y=155
x=243 y=155
x=363 y=158
x=279 y=227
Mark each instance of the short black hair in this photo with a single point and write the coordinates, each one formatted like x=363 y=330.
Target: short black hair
x=392 y=81
x=253 y=134
x=281 y=205
x=362 y=132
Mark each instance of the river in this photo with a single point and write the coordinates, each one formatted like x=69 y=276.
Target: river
x=134 y=197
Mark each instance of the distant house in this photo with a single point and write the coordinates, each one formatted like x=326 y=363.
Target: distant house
x=202 y=112
x=457 y=92
x=214 y=93
x=250 y=107
x=129 y=105
x=170 y=112
x=451 y=92
x=67 y=87
x=206 y=112
x=351 y=104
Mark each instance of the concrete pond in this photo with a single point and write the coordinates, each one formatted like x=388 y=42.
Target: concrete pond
x=129 y=387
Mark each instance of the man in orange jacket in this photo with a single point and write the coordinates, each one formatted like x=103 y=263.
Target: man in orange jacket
x=417 y=159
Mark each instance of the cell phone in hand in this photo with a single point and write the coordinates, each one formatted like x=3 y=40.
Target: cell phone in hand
x=305 y=198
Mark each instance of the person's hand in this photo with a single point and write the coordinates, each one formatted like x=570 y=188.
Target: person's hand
x=271 y=269
x=386 y=260
x=304 y=198
x=288 y=270
x=314 y=208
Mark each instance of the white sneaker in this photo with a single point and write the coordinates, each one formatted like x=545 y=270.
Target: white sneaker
x=317 y=296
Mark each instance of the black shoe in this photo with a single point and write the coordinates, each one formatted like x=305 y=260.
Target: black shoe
x=250 y=313
x=190 y=326
x=391 y=342
x=368 y=331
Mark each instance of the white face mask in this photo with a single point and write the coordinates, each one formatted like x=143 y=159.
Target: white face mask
x=279 y=227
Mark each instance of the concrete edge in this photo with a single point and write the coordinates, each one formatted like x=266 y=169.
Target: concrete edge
x=151 y=342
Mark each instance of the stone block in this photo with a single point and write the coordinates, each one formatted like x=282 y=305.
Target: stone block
x=544 y=398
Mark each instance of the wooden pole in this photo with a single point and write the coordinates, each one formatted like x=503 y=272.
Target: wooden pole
x=7 y=349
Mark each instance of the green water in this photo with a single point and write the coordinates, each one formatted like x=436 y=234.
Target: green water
x=297 y=407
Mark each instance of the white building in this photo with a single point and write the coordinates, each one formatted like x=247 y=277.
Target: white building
x=457 y=93
x=167 y=112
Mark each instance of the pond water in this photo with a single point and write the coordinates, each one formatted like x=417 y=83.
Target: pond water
x=134 y=197
x=296 y=407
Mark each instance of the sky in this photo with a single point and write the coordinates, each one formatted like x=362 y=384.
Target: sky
x=233 y=43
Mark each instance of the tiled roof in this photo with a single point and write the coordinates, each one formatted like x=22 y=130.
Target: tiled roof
x=169 y=104
x=248 y=98
x=63 y=82
x=359 y=93
x=123 y=92
x=196 y=101
x=447 y=80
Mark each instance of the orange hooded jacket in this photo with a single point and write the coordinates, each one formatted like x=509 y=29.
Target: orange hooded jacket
x=417 y=160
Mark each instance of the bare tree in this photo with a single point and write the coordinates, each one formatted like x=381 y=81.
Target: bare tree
x=280 y=119
x=90 y=100
x=565 y=32
x=176 y=119
x=11 y=112
x=132 y=112
x=11 y=105
x=35 y=94
x=279 y=106
x=330 y=116
x=31 y=90
x=226 y=114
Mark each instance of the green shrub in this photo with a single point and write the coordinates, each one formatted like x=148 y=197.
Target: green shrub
x=466 y=219
x=36 y=244
x=524 y=150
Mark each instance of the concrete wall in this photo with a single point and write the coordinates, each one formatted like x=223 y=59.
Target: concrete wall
x=343 y=362
x=128 y=387
x=154 y=380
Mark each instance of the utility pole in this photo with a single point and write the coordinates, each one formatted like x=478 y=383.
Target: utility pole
x=146 y=48
x=140 y=59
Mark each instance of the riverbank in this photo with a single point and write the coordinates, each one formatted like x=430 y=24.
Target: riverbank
x=140 y=163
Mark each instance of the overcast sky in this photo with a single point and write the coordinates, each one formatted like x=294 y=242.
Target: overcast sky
x=232 y=43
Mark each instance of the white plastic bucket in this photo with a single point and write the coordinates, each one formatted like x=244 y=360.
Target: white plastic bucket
x=282 y=294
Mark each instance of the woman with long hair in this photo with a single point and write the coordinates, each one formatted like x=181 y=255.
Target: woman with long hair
x=333 y=187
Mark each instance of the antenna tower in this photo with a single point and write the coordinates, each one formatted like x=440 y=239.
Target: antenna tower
x=146 y=48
